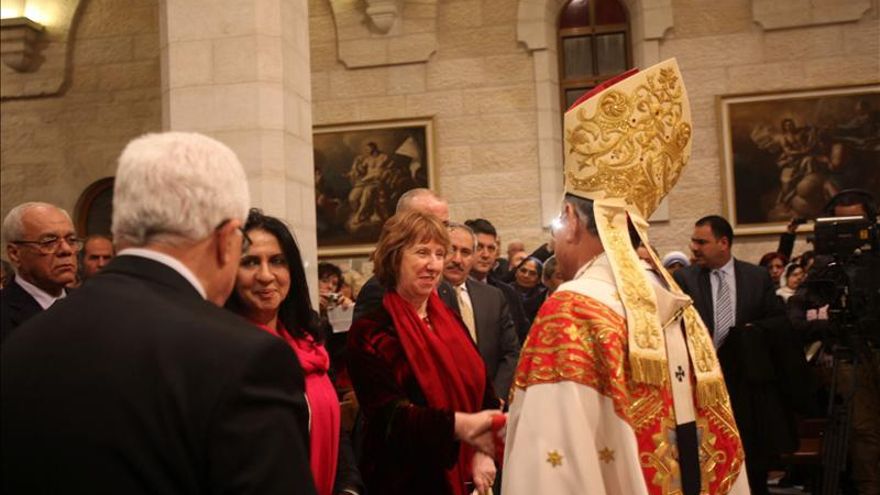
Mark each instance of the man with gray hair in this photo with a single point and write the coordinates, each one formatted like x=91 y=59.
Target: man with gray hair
x=484 y=311
x=41 y=244
x=138 y=382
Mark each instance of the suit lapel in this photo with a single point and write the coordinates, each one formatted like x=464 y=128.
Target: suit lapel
x=447 y=293
x=706 y=295
x=22 y=304
x=740 y=295
x=476 y=307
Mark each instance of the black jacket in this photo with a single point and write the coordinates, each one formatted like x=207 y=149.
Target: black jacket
x=135 y=384
x=762 y=362
x=16 y=307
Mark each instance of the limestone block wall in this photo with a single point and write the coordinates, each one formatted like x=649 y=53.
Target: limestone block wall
x=722 y=50
x=479 y=88
x=52 y=148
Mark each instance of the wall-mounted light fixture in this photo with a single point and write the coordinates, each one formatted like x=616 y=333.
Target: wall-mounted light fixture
x=18 y=42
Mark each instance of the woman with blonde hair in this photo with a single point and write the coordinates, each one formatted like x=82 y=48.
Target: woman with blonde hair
x=418 y=376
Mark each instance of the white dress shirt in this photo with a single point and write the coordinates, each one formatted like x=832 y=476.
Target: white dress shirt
x=170 y=262
x=43 y=298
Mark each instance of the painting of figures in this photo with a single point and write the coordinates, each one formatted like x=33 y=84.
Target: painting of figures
x=360 y=173
x=786 y=154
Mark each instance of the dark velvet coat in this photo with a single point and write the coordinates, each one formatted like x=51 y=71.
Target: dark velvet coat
x=408 y=445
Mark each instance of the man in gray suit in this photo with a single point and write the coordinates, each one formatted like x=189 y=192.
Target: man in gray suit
x=484 y=310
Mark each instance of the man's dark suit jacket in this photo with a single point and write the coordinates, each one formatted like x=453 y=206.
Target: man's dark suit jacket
x=764 y=368
x=135 y=384
x=515 y=304
x=496 y=334
x=16 y=307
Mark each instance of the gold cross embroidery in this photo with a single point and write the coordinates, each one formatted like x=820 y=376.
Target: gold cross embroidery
x=554 y=458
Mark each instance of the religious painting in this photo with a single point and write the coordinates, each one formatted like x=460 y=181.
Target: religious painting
x=786 y=154
x=361 y=170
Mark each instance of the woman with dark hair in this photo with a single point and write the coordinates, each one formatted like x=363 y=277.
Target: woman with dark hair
x=774 y=263
x=790 y=281
x=271 y=292
x=421 y=383
x=528 y=284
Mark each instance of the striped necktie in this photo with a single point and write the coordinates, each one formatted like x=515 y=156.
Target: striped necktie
x=723 y=310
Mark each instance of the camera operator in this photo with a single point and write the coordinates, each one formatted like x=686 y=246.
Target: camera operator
x=838 y=306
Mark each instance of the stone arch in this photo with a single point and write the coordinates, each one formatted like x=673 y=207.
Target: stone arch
x=536 y=29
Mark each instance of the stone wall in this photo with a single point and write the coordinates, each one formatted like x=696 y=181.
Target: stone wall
x=52 y=148
x=479 y=86
x=721 y=51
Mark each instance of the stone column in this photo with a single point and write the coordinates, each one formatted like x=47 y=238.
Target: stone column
x=238 y=70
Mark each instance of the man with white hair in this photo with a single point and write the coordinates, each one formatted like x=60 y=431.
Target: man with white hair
x=138 y=382
x=42 y=245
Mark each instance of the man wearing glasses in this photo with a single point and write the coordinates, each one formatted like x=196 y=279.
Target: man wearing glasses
x=42 y=245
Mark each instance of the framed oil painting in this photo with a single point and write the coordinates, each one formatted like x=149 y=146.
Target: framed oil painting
x=361 y=170
x=786 y=154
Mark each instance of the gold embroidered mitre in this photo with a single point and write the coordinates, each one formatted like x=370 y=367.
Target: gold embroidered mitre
x=630 y=140
x=627 y=142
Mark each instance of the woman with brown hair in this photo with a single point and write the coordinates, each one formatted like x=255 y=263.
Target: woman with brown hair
x=418 y=376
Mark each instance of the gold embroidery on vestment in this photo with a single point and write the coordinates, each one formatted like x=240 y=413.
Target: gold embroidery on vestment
x=554 y=458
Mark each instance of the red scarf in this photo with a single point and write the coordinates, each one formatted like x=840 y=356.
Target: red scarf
x=324 y=413
x=447 y=366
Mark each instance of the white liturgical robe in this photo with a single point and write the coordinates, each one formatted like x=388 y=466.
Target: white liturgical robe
x=580 y=425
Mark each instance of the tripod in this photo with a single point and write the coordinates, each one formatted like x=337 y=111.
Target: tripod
x=836 y=439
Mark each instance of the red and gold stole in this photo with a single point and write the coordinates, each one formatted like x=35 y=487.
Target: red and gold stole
x=578 y=339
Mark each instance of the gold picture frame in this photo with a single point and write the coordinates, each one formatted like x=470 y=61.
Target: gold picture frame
x=360 y=172
x=784 y=154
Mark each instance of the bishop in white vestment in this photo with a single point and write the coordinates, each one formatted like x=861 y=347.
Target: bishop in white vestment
x=618 y=389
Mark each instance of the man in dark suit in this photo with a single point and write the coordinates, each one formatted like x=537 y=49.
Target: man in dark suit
x=738 y=303
x=42 y=245
x=484 y=262
x=139 y=382
x=419 y=199
x=484 y=311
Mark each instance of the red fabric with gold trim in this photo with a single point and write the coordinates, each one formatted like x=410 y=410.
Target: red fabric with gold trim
x=578 y=339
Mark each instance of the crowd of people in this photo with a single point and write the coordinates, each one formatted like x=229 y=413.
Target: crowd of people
x=185 y=355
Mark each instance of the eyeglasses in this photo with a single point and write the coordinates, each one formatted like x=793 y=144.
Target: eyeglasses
x=52 y=244
x=246 y=241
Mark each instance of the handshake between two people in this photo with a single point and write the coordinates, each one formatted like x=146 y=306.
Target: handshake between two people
x=484 y=431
